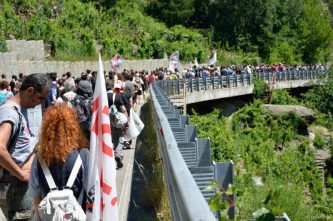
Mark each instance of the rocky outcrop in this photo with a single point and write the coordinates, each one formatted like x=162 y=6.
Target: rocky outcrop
x=304 y=112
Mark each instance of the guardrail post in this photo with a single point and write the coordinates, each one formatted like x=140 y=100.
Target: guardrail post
x=236 y=80
x=221 y=81
x=178 y=86
x=212 y=79
x=197 y=84
x=228 y=81
x=205 y=83
x=225 y=176
x=292 y=75
x=190 y=84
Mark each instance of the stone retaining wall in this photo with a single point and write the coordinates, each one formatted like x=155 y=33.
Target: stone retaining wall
x=28 y=57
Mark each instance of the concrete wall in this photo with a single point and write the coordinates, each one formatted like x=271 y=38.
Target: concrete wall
x=28 y=57
x=200 y=96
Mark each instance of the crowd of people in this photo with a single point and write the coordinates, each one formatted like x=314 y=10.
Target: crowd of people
x=64 y=134
x=205 y=71
x=65 y=130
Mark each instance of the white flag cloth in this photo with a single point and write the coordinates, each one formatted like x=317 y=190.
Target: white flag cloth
x=135 y=126
x=196 y=62
x=174 y=58
x=116 y=61
x=102 y=200
x=213 y=60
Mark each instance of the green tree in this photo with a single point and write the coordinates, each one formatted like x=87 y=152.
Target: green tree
x=321 y=97
x=315 y=32
x=172 y=12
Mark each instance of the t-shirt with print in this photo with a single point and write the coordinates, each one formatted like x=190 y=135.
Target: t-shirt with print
x=26 y=141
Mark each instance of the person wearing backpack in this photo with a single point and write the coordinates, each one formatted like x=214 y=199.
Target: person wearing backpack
x=60 y=167
x=17 y=144
x=115 y=98
x=83 y=104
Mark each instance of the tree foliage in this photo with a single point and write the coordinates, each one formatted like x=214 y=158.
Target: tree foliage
x=272 y=149
x=289 y=31
x=321 y=97
x=77 y=29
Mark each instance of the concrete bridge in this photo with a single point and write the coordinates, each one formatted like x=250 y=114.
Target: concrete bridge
x=217 y=87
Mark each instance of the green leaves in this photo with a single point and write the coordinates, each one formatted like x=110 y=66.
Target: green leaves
x=263 y=215
x=270 y=148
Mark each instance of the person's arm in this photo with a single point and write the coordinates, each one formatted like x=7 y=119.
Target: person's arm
x=123 y=110
x=6 y=160
x=36 y=201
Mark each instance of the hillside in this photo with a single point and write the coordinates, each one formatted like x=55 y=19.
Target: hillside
x=75 y=29
x=282 y=161
x=241 y=31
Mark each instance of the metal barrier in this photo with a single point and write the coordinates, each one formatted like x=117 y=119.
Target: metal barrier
x=187 y=164
x=176 y=86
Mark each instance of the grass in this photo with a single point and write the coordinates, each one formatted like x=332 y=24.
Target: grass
x=153 y=193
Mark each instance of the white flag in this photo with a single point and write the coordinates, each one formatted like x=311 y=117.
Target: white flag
x=116 y=61
x=174 y=58
x=102 y=200
x=196 y=64
x=213 y=60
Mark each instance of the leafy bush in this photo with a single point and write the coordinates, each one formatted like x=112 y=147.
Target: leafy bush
x=321 y=96
x=253 y=143
x=3 y=46
x=283 y=97
x=76 y=29
x=260 y=87
x=318 y=142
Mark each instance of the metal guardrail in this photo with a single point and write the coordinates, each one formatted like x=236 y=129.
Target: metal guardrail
x=187 y=164
x=176 y=86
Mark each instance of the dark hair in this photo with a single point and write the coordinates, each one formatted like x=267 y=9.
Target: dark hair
x=77 y=80
x=128 y=76
x=21 y=75
x=109 y=84
x=4 y=85
x=61 y=82
x=37 y=80
x=68 y=74
x=53 y=76
x=12 y=85
x=3 y=76
x=84 y=76
x=14 y=77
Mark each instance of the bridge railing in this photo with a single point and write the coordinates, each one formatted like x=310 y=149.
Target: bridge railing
x=176 y=86
x=185 y=199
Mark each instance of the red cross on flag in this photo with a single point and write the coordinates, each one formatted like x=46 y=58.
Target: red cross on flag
x=102 y=193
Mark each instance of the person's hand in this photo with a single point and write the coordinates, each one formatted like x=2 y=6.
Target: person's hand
x=24 y=175
x=126 y=127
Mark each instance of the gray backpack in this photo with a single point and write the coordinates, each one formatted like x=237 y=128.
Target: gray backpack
x=117 y=119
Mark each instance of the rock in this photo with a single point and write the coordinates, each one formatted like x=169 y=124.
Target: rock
x=301 y=111
x=312 y=136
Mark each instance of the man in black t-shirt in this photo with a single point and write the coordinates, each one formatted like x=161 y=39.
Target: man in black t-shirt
x=117 y=133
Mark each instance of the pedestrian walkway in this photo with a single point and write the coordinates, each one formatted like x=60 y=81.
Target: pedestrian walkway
x=124 y=178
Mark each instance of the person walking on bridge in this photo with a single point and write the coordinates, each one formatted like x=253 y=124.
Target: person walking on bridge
x=17 y=144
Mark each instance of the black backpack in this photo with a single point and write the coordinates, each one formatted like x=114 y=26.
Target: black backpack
x=83 y=107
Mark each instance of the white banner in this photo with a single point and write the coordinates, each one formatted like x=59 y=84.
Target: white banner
x=102 y=202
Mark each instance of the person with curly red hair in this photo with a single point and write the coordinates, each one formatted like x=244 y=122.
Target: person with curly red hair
x=61 y=143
